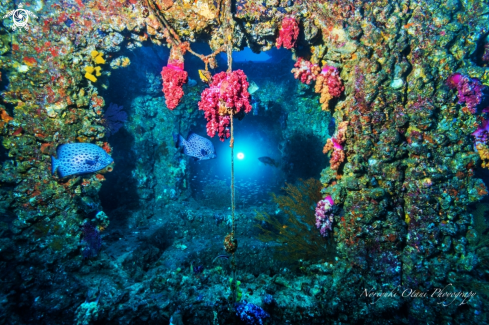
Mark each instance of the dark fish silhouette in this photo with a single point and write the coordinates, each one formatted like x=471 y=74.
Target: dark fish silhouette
x=268 y=161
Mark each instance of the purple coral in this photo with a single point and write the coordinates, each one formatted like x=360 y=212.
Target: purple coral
x=324 y=216
x=485 y=56
x=470 y=91
x=115 y=117
x=92 y=242
x=482 y=133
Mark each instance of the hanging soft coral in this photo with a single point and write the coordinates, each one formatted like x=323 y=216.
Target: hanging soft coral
x=174 y=77
x=329 y=85
x=226 y=95
x=470 y=91
x=305 y=71
x=336 y=144
x=288 y=33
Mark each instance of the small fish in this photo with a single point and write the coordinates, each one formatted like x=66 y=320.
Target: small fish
x=268 y=161
x=79 y=158
x=205 y=76
x=195 y=146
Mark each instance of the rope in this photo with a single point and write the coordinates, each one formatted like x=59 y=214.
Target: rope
x=231 y=144
x=229 y=51
x=233 y=230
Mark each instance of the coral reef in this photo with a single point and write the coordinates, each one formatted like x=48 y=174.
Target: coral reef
x=403 y=174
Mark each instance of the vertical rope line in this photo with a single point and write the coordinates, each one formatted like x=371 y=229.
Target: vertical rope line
x=232 y=175
x=229 y=51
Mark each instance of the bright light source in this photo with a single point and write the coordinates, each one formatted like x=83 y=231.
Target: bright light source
x=240 y=155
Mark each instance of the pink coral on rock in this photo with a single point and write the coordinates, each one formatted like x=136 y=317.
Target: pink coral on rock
x=336 y=144
x=485 y=55
x=481 y=135
x=329 y=85
x=288 y=33
x=324 y=216
x=226 y=95
x=174 y=77
x=305 y=71
x=470 y=91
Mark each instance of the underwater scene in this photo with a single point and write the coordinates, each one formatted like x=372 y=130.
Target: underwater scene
x=244 y=162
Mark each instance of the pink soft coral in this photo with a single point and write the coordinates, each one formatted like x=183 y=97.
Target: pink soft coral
x=305 y=71
x=470 y=91
x=336 y=144
x=226 y=95
x=329 y=85
x=288 y=33
x=481 y=135
x=174 y=77
x=324 y=216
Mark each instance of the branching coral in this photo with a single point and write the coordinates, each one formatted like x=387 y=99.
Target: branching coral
x=295 y=234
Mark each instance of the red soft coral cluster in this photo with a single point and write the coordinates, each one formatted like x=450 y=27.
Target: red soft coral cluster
x=305 y=71
x=174 y=77
x=470 y=91
x=226 y=95
x=288 y=33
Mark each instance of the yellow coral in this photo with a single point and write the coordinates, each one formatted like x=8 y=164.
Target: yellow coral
x=97 y=57
x=90 y=77
x=322 y=88
x=99 y=60
x=125 y=61
x=89 y=73
x=483 y=151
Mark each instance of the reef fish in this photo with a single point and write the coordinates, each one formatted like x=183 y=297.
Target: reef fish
x=268 y=161
x=195 y=146
x=79 y=158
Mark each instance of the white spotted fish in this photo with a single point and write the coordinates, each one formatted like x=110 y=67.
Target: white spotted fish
x=195 y=146
x=79 y=158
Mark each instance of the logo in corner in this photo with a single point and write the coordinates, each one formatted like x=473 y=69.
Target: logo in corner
x=20 y=17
